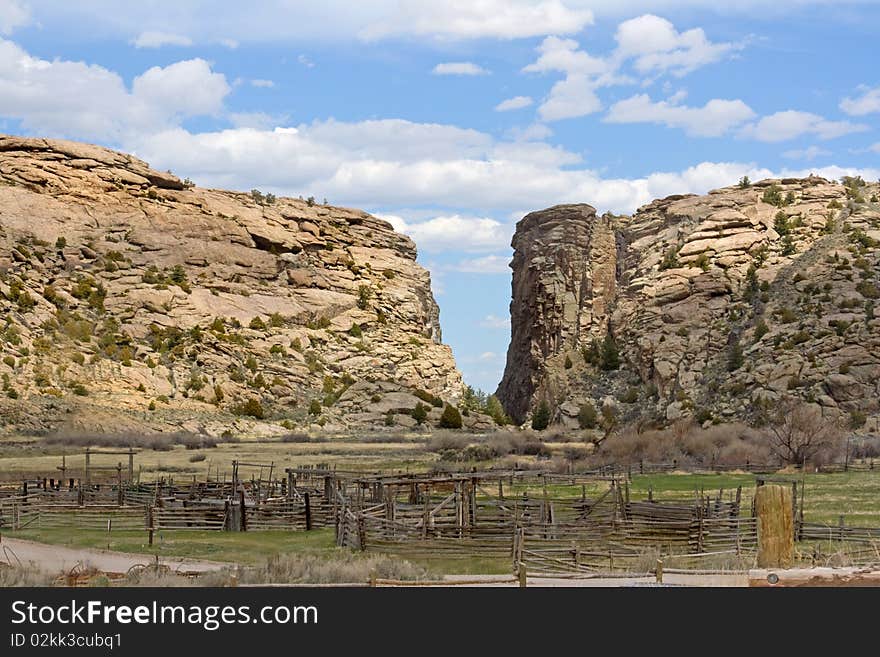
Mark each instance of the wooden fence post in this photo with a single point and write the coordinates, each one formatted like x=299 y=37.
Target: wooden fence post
x=307 y=501
x=773 y=506
x=243 y=519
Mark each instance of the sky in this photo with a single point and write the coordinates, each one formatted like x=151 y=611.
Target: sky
x=452 y=120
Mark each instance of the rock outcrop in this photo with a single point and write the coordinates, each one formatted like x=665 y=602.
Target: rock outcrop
x=133 y=296
x=717 y=305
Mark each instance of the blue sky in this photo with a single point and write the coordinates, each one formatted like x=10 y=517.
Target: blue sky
x=454 y=119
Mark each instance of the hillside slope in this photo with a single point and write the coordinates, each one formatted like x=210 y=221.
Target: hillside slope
x=132 y=298
x=710 y=306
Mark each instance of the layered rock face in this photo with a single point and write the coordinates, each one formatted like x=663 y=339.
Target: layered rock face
x=133 y=296
x=563 y=284
x=720 y=305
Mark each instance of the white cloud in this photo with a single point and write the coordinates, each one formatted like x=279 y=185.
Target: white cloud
x=714 y=119
x=460 y=19
x=657 y=47
x=305 y=61
x=515 y=103
x=477 y=173
x=874 y=148
x=565 y=56
x=487 y=356
x=265 y=84
x=187 y=88
x=226 y=42
x=570 y=98
x=653 y=45
x=810 y=153
x=13 y=14
x=153 y=39
x=490 y=264
x=459 y=68
x=494 y=322
x=97 y=105
x=789 y=124
x=458 y=233
x=867 y=103
x=532 y=132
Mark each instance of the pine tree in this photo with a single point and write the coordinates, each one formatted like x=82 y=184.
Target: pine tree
x=420 y=413
x=451 y=418
x=541 y=417
x=610 y=355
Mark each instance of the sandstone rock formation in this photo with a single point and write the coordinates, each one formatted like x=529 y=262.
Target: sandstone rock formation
x=718 y=304
x=135 y=297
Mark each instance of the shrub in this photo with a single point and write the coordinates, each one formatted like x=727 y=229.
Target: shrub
x=868 y=290
x=250 y=408
x=610 y=355
x=425 y=396
x=60 y=243
x=734 y=355
x=587 y=417
x=451 y=418
x=356 y=331
x=364 y=295
x=257 y=324
x=197 y=458
x=568 y=364
x=541 y=416
x=670 y=259
x=761 y=329
x=744 y=182
x=420 y=413
x=773 y=196
x=389 y=419
x=315 y=407
x=857 y=420
x=630 y=396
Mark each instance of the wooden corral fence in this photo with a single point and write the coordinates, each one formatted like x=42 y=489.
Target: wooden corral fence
x=462 y=517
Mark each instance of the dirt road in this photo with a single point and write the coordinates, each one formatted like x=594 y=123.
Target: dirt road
x=58 y=559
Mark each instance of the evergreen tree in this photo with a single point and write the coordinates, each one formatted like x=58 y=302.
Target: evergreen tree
x=451 y=418
x=610 y=355
x=420 y=413
x=541 y=416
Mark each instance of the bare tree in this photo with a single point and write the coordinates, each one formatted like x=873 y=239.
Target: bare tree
x=799 y=432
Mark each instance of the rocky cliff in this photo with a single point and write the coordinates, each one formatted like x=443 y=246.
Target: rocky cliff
x=708 y=306
x=131 y=297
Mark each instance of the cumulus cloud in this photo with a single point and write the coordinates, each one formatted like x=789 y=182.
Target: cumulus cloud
x=867 y=103
x=657 y=47
x=13 y=14
x=651 y=44
x=490 y=264
x=264 y=84
x=97 y=105
x=154 y=39
x=713 y=119
x=570 y=98
x=810 y=153
x=188 y=88
x=789 y=124
x=458 y=233
x=515 y=103
x=459 y=68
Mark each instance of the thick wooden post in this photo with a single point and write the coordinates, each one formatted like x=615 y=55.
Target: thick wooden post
x=773 y=506
x=243 y=518
x=307 y=501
